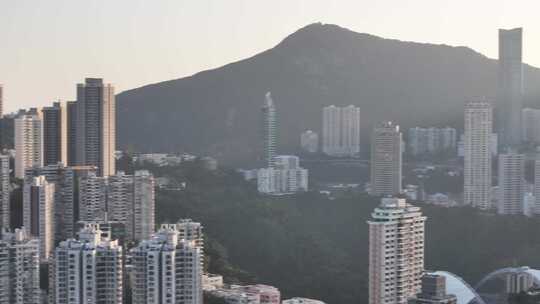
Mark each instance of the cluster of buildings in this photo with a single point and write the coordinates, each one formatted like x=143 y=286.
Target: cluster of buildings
x=282 y=174
x=431 y=141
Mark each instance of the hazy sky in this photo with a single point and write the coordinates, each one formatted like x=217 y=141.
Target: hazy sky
x=47 y=46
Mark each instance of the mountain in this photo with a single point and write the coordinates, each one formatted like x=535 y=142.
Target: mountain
x=217 y=112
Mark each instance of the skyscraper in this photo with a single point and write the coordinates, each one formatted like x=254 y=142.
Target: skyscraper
x=167 y=262
x=96 y=126
x=19 y=268
x=433 y=291
x=510 y=87
x=1 y=101
x=537 y=186
x=4 y=192
x=341 y=130
x=530 y=121
x=88 y=269
x=71 y=127
x=54 y=134
x=269 y=130
x=396 y=251
x=38 y=213
x=386 y=157
x=28 y=143
x=477 y=155
x=511 y=183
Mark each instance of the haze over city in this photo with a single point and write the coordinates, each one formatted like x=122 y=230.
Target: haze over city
x=48 y=45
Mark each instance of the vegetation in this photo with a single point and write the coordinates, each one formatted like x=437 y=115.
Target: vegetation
x=309 y=246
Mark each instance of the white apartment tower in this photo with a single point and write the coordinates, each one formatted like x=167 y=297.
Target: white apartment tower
x=28 y=143
x=4 y=192
x=269 y=130
x=96 y=126
x=537 y=186
x=167 y=269
x=477 y=155
x=511 y=183
x=19 y=268
x=88 y=270
x=309 y=141
x=38 y=213
x=386 y=159
x=396 y=252
x=341 y=130
x=286 y=177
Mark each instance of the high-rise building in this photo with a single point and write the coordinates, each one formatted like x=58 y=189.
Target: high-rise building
x=530 y=121
x=286 y=177
x=396 y=251
x=511 y=183
x=96 y=126
x=28 y=143
x=510 y=87
x=66 y=197
x=167 y=269
x=19 y=268
x=537 y=187
x=71 y=133
x=88 y=270
x=477 y=155
x=54 y=134
x=309 y=141
x=386 y=158
x=341 y=130
x=433 y=291
x=422 y=141
x=38 y=213
x=4 y=192
x=128 y=199
x=269 y=130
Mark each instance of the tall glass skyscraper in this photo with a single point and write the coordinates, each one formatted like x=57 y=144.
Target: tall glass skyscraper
x=269 y=130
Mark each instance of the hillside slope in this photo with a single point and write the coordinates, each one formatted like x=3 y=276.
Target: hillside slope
x=216 y=112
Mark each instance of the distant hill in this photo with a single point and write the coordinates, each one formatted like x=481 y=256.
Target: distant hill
x=216 y=112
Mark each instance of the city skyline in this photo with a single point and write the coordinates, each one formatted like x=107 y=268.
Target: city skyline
x=172 y=58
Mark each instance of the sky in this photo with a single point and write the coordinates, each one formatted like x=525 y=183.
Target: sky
x=48 y=46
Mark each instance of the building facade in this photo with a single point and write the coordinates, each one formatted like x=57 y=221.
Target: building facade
x=286 y=177
x=19 y=268
x=510 y=87
x=433 y=291
x=167 y=269
x=269 y=130
x=88 y=270
x=28 y=143
x=341 y=131
x=96 y=126
x=5 y=190
x=477 y=155
x=54 y=134
x=511 y=184
x=386 y=159
x=530 y=122
x=38 y=213
x=429 y=141
x=396 y=252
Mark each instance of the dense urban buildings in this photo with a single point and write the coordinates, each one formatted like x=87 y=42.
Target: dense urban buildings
x=286 y=177
x=38 y=213
x=167 y=269
x=88 y=270
x=341 y=131
x=511 y=183
x=19 y=268
x=510 y=87
x=396 y=251
x=96 y=126
x=128 y=199
x=477 y=155
x=5 y=192
x=309 y=141
x=28 y=143
x=54 y=134
x=386 y=159
x=530 y=122
x=433 y=291
x=431 y=141
x=269 y=129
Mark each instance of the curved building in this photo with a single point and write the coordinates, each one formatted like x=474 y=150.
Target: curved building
x=497 y=285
